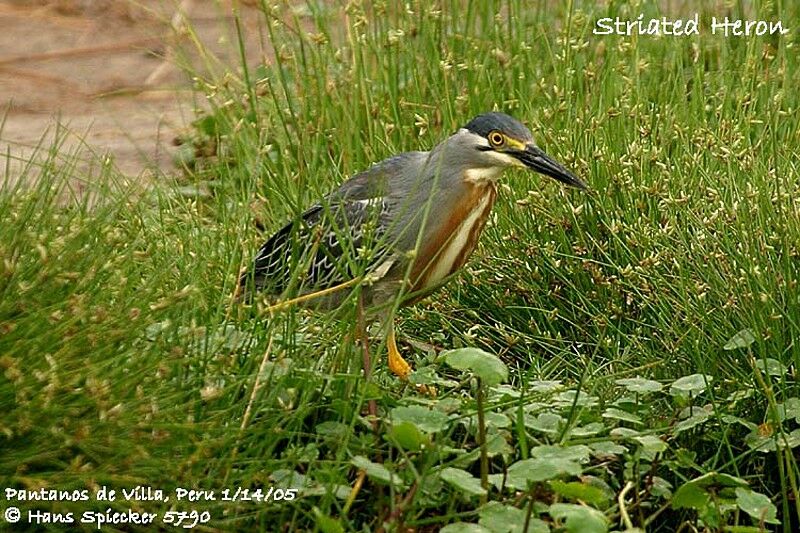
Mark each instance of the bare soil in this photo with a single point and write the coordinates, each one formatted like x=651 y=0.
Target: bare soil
x=105 y=75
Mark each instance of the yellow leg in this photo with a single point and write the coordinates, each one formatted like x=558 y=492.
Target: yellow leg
x=354 y=491
x=397 y=364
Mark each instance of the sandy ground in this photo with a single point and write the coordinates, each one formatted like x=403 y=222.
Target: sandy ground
x=104 y=74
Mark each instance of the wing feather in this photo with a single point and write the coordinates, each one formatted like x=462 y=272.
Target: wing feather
x=335 y=240
x=327 y=246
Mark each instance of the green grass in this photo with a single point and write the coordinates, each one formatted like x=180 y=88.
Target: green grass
x=124 y=363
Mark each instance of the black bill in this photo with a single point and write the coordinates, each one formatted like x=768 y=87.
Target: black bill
x=533 y=157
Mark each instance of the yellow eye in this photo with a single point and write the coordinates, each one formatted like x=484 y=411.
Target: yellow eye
x=496 y=139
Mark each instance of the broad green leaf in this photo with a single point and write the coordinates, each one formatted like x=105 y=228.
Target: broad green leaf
x=408 y=436
x=694 y=494
x=376 y=471
x=693 y=384
x=619 y=414
x=625 y=433
x=627 y=403
x=463 y=481
x=770 y=366
x=741 y=339
x=425 y=419
x=448 y=405
x=607 y=447
x=651 y=443
x=427 y=376
x=589 y=430
x=498 y=420
x=569 y=398
x=316 y=489
x=229 y=337
x=276 y=369
x=578 y=452
x=760 y=441
x=601 y=484
x=720 y=480
x=289 y=479
x=693 y=421
x=493 y=420
x=497 y=480
x=691 y=496
x=505 y=391
x=500 y=518
x=576 y=490
x=484 y=365
x=730 y=419
x=544 y=386
x=789 y=409
x=640 y=385
x=579 y=518
x=790 y=440
x=497 y=445
x=335 y=430
x=757 y=505
x=309 y=453
x=661 y=488
x=696 y=410
x=464 y=458
x=527 y=471
x=686 y=458
x=464 y=527
x=741 y=394
x=325 y=523
x=549 y=423
x=533 y=407
x=711 y=516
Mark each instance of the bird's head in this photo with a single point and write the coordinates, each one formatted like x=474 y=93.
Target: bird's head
x=495 y=141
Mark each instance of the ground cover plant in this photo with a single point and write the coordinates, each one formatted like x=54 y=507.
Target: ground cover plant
x=619 y=360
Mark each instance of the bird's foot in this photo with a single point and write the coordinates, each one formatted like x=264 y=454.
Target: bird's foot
x=402 y=369
x=398 y=365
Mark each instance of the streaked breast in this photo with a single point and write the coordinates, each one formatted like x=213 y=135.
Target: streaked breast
x=453 y=242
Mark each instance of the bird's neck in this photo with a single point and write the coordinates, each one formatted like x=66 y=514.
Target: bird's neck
x=483 y=176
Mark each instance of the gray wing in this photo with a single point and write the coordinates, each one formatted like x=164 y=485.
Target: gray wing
x=329 y=245
x=334 y=240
